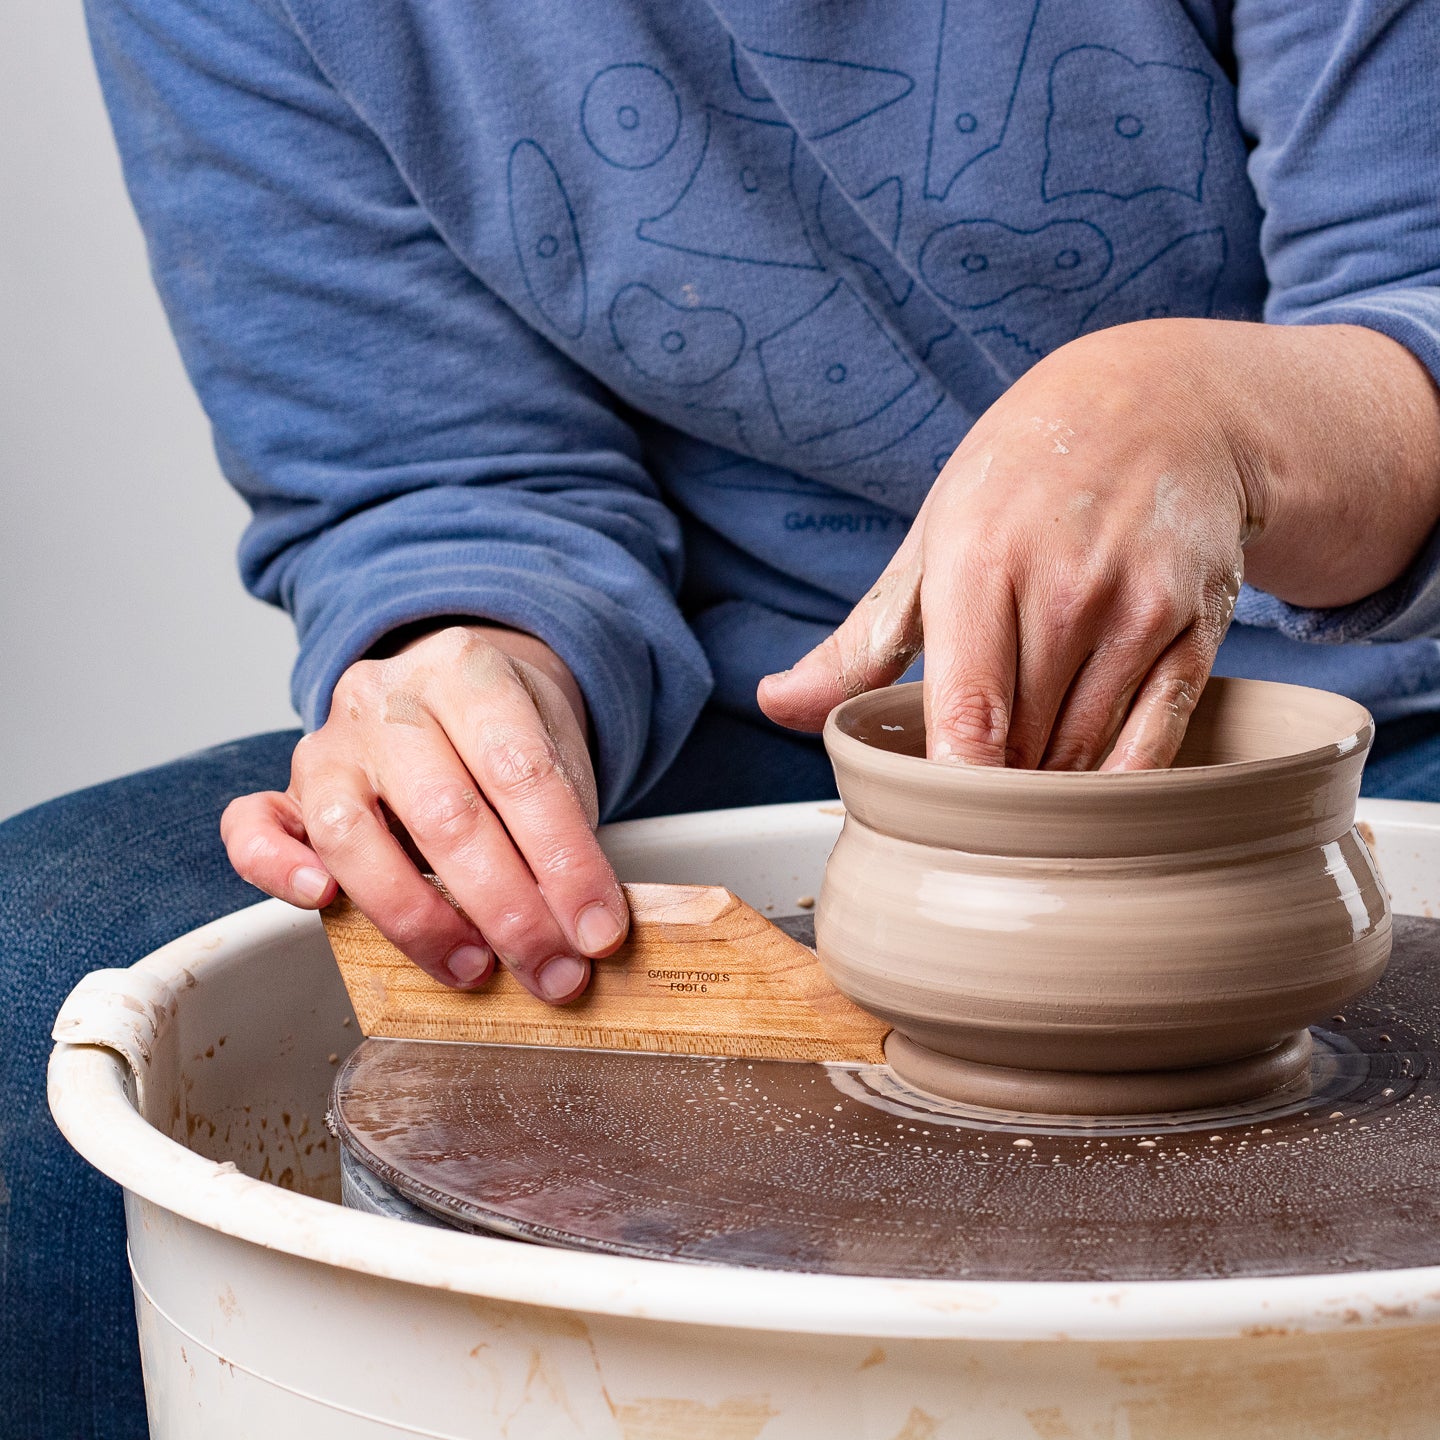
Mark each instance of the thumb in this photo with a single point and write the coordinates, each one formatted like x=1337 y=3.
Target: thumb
x=874 y=646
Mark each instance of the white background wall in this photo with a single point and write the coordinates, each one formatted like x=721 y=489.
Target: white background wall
x=125 y=637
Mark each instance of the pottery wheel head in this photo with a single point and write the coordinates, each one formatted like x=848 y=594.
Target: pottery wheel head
x=843 y=1169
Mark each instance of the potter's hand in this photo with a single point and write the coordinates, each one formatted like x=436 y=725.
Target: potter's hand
x=473 y=737
x=1077 y=561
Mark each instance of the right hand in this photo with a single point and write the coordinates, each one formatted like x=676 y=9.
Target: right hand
x=473 y=738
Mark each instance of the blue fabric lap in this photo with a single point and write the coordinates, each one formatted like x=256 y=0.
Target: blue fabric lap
x=104 y=876
x=729 y=761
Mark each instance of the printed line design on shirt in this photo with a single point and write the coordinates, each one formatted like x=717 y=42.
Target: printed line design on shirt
x=547 y=239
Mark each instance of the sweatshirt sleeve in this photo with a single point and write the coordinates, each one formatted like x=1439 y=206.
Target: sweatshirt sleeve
x=1338 y=97
x=408 y=447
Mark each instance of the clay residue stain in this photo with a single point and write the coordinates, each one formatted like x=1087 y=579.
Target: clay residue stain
x=283 y=1149
x=1171 y=496
x=919 y=1425
x=742 y=1417
x=402 y=707
x=555 y=1322
x=875 y=1357
x=893 y=638
x=969 y=1302
x=1371 y=1384
x=1049 y=1424
x=227 y=1304
x=1056 y=431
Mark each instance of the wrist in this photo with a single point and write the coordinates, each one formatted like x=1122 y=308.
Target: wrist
x=1158 y=396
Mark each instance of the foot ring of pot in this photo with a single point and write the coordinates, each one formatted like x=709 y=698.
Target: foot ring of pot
x=1072 y=1092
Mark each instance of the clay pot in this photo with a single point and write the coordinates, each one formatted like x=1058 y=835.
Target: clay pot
x=1086 y=943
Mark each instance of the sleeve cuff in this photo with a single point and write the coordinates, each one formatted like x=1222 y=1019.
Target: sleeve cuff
x=643 y=692
x=1405 y=610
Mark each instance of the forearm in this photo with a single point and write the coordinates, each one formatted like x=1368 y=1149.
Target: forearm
x=1335 y=430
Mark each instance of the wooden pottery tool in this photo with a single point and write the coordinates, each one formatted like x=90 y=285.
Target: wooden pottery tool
x=700 y=974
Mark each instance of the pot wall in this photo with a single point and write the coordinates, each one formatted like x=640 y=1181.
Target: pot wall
x=1154 y=963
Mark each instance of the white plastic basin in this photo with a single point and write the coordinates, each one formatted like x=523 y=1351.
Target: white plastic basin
x=197 y=1079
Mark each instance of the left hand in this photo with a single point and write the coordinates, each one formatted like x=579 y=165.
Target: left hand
x=1070 y=575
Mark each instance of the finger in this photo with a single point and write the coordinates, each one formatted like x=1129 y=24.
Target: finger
x=534 y=772
x=874 y=646
x=1160 y=714
x=1102 y=696
x=970 y=664
x=429 y=789
x=1097 y=704
x=265 y=840
x=342 y=818
x=1056 y=635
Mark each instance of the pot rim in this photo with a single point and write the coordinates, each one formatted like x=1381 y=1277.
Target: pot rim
x=845 y=747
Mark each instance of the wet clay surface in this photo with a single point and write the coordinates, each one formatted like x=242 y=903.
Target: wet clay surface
x=841 y=1169
x=1105 y=943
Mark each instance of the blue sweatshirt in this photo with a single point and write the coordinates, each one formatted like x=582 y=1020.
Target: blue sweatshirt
x=645 y=327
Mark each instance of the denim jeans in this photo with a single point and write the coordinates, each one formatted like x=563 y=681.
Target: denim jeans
x=104 y=876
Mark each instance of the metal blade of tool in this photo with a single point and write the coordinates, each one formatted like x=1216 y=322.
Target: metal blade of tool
x=838 y=1168
x=700 y=974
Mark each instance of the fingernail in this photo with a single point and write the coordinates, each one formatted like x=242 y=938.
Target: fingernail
x=597 y=929
x=310 y=884
x=562 y=977
x=467 y=963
